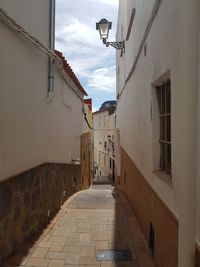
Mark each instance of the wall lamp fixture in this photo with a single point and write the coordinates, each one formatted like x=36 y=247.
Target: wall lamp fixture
x=103 y=26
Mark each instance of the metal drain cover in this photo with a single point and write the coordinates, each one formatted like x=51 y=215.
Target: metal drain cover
x=114 y=255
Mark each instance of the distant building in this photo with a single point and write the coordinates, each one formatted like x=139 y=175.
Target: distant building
x=104 y=141
x=108 y=105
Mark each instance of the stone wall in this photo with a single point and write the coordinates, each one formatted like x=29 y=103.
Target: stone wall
x=29 y=200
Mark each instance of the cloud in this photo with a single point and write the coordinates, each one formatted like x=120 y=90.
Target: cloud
x=78 y=40
x=103 y=80
x=106 y=2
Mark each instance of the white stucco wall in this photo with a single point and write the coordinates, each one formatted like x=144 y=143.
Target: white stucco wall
x=34 y=130
x=169 y=48
x=32 y=15
x=64 y=123
x=136 y=132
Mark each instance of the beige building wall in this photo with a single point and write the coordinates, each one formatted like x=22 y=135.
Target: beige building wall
x=170 y=52
x=34 y=128
x=103 y=127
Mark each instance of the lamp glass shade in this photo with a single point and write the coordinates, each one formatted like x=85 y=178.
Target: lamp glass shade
x=103 y=26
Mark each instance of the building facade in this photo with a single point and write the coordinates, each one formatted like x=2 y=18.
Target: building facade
x=87 y=145
x=41 y=103
x=158 y=124
x=104 y=142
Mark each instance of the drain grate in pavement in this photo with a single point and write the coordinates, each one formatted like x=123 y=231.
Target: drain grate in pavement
x=114 y=255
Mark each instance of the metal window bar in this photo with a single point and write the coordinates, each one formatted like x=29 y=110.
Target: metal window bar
x=166 y=151
x=164 y=99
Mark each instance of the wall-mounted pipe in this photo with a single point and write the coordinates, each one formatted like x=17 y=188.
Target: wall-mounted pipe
x=51 y=45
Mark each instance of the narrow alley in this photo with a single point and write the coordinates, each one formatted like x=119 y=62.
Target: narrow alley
x=100 y=133
x=90 y=222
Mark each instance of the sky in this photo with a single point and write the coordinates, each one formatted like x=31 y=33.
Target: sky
x=79 y=41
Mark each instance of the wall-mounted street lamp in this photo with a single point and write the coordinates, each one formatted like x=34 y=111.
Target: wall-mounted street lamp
x=103 y=26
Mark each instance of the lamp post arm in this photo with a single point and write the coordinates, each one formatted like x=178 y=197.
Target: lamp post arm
x=117 y=45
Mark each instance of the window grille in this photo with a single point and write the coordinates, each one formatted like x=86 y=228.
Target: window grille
x=164 y=105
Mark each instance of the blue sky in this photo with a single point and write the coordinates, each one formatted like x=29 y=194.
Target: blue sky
x=78 y=40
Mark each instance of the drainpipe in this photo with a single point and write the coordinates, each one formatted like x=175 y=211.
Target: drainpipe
x=51 y=47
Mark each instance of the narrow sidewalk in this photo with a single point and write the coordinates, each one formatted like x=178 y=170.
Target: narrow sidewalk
x=90 y=221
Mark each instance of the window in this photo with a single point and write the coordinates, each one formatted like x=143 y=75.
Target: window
x=99 y=122
x=104 y=160
x=105 y=145
x=164 y=105
x=99 y=157
x=95 y=154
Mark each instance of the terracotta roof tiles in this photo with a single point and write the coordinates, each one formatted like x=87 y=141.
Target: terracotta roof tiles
x=70 y=72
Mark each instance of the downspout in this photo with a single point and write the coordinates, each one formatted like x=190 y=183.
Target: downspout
x=51 y=47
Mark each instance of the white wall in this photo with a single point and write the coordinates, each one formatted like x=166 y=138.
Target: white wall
x=32 y=15
x=33 y=130
x=171 y=46
x=136 y=132
x=64 y=124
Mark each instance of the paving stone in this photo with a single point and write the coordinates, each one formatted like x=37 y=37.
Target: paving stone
x=82 y=243
x=44 y=244
x=88 y=251
x=72 y=249
x=85 y=237
x=57 y=246
x=101 y=245
x=38 y=262
x=57 y=239
x=89 y=261
x=72 y=258
x=40 y=252
x=83 y=230
x=59 y=232
x=57 y=255
x=79 y=230
x=56 y=263
x=99 y=237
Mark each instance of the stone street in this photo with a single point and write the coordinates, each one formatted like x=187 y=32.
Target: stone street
x=92 y=220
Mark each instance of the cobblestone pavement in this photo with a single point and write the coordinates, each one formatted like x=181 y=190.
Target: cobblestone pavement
x=92 y=220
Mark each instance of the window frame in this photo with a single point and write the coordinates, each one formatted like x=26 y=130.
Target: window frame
x=163 y=93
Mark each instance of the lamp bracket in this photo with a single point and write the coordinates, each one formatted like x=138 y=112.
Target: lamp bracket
x=117 y=45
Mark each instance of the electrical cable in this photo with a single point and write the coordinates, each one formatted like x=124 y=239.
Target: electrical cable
x=11 y=23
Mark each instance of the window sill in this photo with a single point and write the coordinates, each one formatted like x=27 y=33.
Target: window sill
x=166 y=178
